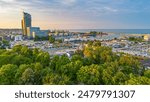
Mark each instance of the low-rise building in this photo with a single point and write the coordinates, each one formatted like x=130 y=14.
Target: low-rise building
x=31 y=31
x=147 y=37
x=18 y=38
x=35 y=31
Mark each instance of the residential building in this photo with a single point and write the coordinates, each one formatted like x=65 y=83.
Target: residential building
x=18 y=38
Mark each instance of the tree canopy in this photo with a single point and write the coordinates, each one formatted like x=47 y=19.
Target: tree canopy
x=94 y=65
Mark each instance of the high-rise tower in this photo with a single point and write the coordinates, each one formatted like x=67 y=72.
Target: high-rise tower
x=26 y=22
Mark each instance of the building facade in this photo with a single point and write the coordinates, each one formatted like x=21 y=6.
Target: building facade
x=147 y=37
x=32 y=30
x=18 y=38
x=29 y=31
x=35 y=31
x=26 y=22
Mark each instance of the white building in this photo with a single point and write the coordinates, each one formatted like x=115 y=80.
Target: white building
x=18 y=38
x=147 y=37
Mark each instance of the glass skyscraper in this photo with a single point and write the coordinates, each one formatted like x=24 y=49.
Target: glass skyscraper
x=26 y=22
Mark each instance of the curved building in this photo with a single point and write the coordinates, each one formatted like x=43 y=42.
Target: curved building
x=26 y=22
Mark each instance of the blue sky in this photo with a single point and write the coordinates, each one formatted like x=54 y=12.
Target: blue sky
x=77 y=14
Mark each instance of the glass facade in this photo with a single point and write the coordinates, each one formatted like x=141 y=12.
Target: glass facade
x=26 y=22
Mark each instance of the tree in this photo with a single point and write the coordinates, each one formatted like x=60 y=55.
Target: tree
x=130 y=64
x=5 y=59
x=56 y=79
x=17 y=49
x=119 y=78
x=19 y=59
x=5 y=42
x=107 y=77
x=19 y=73
x=54 y=62
x=7 y=74
x=134 y=39
x=43 y=58
x=63 y=60
x=38 y=73
x=95 y=65
x=35 y=53
x=106 y=54
x=88 y=51
x=25 y=51
x=76 y=58
x=99 y=54
x=51 y=39
x=138 y=80
x=27 y=77
x=2 y=51
x=71 y=69
x=79 y=52
x=147 y=73
x=89 y=75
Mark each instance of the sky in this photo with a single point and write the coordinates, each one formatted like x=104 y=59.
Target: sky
x=77 y=14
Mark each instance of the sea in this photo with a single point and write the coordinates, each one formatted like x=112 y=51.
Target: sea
x=116 y=31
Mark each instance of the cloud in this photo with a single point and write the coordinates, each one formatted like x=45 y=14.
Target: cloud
x=109 y=9
x=75 y=10
x=68 y=2
x=8 y=0
x=81 y=7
